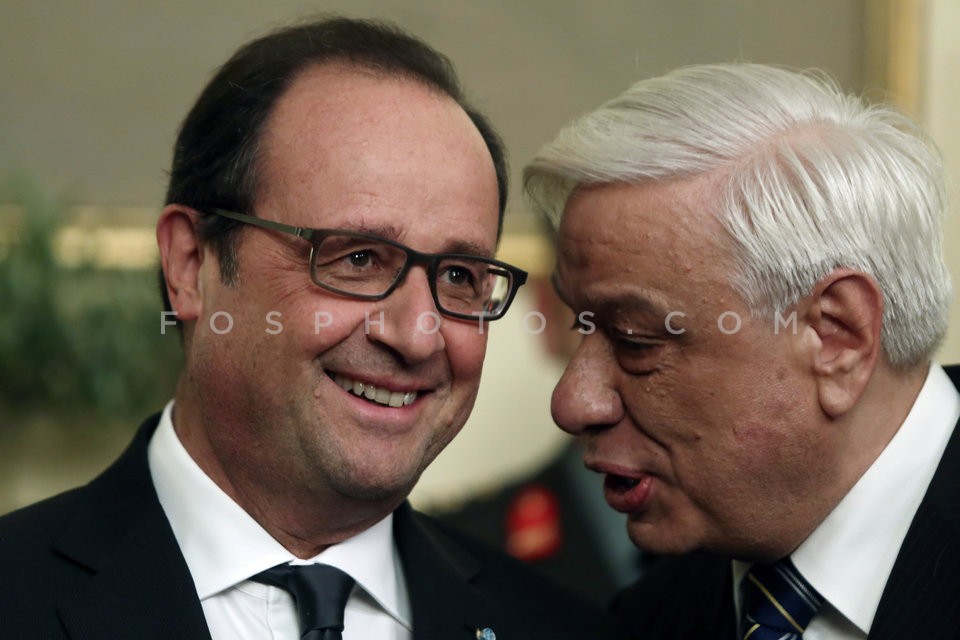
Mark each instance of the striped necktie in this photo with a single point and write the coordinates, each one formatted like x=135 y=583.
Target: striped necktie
x=779 y=603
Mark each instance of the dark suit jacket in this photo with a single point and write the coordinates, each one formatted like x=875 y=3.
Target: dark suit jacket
x=691 y=597
x=101 y=562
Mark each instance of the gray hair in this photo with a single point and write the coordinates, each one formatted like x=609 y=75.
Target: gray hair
x=812 y=179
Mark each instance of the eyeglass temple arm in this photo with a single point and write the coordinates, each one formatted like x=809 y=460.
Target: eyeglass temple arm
x=300 y=232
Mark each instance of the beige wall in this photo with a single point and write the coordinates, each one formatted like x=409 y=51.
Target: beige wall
x=940 y=96
x=93 y=91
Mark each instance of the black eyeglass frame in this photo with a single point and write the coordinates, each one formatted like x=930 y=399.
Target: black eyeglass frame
x=413 y=257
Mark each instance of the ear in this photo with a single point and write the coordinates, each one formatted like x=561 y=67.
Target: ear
x=845 y=312
x=181 y=256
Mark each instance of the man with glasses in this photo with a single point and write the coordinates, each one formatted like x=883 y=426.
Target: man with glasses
x=327 y=250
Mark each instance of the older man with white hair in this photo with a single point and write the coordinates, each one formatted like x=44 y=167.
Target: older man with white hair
x=754 y=258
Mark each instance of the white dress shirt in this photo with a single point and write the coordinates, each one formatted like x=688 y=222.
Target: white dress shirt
x=223 y=547
x=849 y=557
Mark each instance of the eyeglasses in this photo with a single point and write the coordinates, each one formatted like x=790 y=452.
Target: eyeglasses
x=368 y=267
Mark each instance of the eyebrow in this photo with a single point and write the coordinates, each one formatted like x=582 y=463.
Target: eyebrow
x=629 y=300
x=472 y=248
x=392 y=232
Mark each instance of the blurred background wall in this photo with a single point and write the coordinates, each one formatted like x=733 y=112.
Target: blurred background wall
x=91 y=94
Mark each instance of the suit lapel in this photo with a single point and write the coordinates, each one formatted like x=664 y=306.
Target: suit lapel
x=438 y=573
x=140 y=586
x=922 y=596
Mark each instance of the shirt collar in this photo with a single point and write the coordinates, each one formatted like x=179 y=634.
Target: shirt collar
x=846 y=559
x=223 y=545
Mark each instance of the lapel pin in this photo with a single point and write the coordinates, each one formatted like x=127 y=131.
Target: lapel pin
x=486 y=634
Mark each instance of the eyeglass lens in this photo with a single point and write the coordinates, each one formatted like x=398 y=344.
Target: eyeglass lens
x=367 y=267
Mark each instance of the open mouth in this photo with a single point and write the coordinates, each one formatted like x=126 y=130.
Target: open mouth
x=620 y=483
x=375 y=394
x=627 y=494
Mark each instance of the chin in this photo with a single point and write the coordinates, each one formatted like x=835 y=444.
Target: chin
x=372 y=488
x=661 y=539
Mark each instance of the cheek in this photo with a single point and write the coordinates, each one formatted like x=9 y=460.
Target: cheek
x=769 y=440
x=465 y=348
x=669 y=410
x=320 y=324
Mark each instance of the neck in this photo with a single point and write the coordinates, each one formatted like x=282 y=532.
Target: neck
x=854 y=441
x=886 y=402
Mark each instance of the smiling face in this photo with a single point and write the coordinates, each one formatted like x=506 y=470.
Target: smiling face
x=345 y=149
x=709 y=440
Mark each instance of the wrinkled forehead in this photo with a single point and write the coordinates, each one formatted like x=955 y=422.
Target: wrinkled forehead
x=658 y=234
x=686 y=207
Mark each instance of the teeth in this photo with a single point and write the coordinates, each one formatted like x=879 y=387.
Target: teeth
x=375 y=394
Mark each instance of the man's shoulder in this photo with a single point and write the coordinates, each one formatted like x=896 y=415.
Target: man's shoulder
x=126 y=478
x=518 y=589
x=683 y=597
x=28 y=544
x=36 y=525
x=74 y=560
x=35 y=574
x=31 y=537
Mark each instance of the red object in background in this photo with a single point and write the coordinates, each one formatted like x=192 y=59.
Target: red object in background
x=533 y=524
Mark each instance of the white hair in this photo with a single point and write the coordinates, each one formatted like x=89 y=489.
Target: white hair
x=811 y=180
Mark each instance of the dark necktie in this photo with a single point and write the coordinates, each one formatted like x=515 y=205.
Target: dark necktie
x=779 y=603
x=320 y=593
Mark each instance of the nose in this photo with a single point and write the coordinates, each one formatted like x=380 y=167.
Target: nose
x=585 y=398
x=407 y=321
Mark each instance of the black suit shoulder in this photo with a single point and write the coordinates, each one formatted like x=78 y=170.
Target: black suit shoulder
x=74 y=565
x=517 y=592
x=540 y=595
x=683 y=598
x=35 y=576
x=35 y=523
